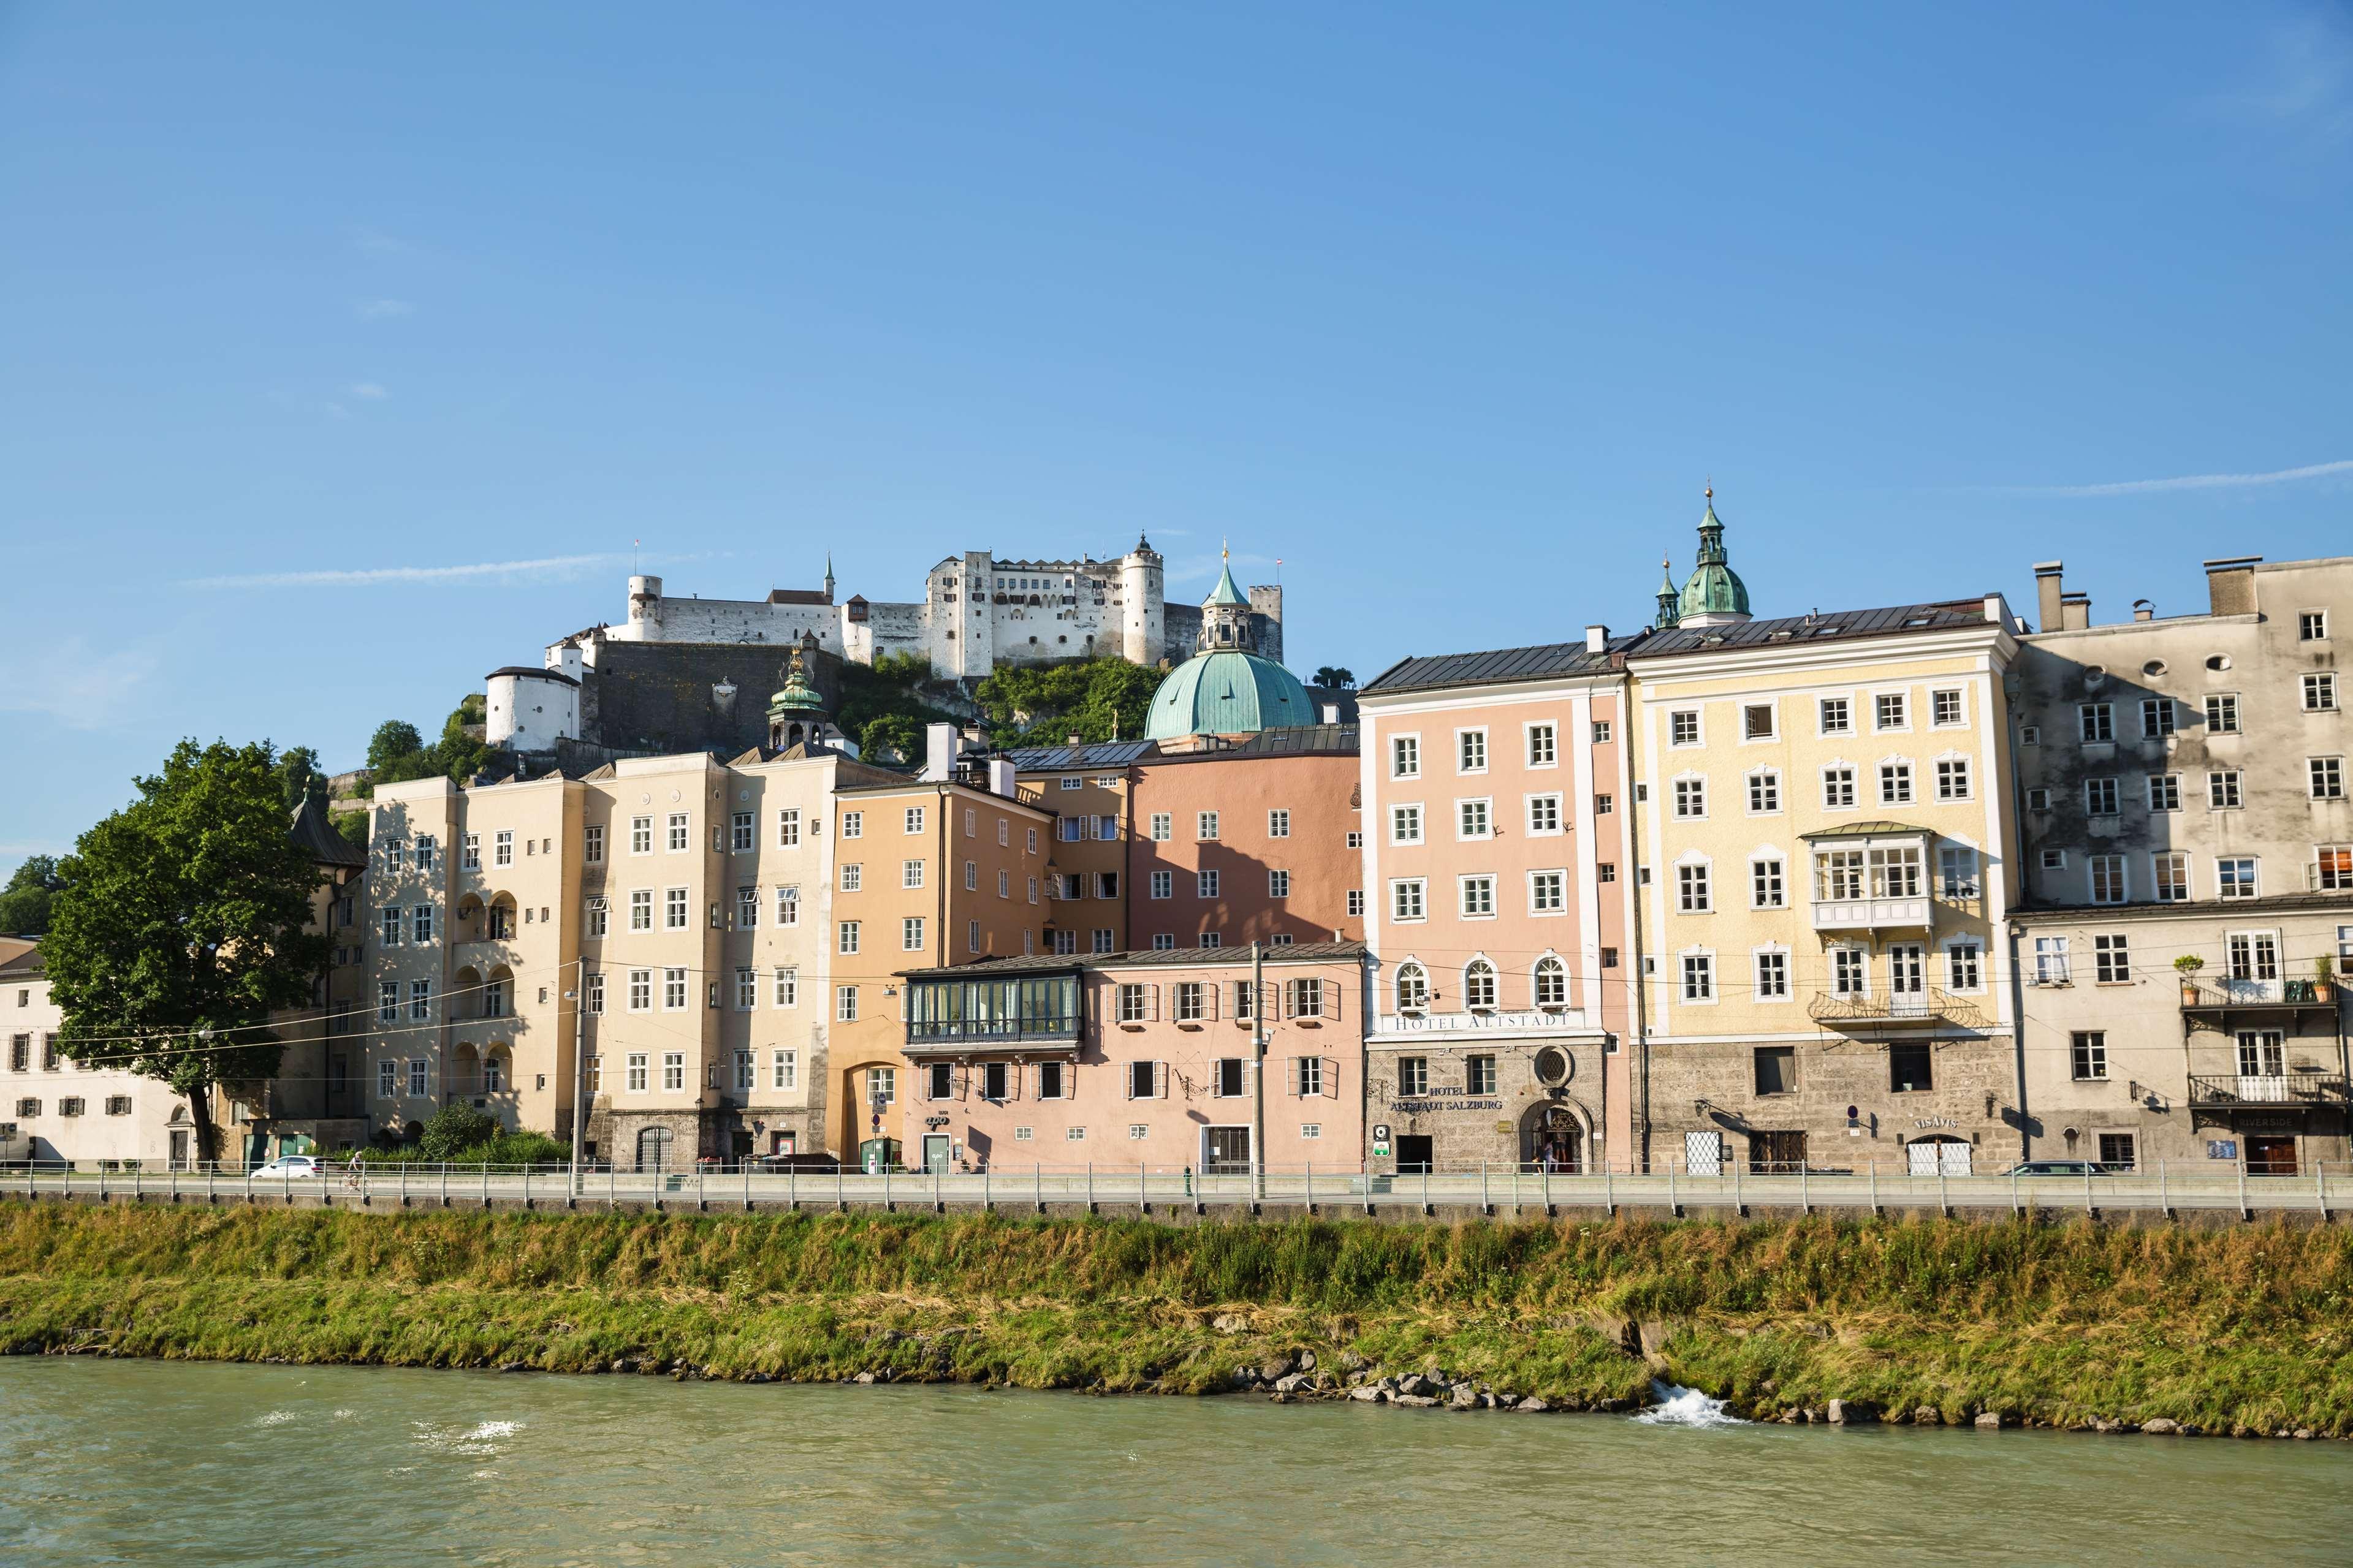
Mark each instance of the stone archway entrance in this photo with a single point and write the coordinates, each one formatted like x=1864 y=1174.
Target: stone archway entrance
x=1553 y=1138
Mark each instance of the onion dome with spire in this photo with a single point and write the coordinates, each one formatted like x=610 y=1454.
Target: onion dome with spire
x=1228 y=687
x=797 y=713
x=1713 y=595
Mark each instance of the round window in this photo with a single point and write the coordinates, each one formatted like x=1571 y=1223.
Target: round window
x=2154 y=666
x=2219 y=661
x=1551 y=1065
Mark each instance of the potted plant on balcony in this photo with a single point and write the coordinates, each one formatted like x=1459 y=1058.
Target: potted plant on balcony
x=2324 y=978
x=2188 y=966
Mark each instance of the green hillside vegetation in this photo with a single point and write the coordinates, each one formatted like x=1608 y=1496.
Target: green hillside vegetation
x=1096 y=700
x=396 y=752
x=2060 y=1324
x=884 y=706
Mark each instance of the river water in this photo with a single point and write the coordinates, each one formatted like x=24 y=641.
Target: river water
x=118 y=1461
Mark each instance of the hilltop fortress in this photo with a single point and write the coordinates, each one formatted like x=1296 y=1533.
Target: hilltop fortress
x=682 y=662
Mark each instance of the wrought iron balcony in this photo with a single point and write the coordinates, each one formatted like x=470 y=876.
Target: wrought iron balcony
x=1929 y=1006
x=2269 y=1091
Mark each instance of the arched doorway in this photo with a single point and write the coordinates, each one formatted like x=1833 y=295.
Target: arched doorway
x=1552 y=1138
x=654 y=1148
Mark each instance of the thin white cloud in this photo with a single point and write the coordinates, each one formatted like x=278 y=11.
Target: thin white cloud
x=372 y=391
x=377 y=309
x=77 y=687
x=2184 y=482
x=370 y=576
x=2303 y=85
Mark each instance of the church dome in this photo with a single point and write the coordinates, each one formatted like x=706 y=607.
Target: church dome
x=1227 y=692
x=1715 y=593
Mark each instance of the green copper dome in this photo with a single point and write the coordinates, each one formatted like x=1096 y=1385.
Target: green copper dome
x=796 y=695
x=1715 y=588
x=1227 y=692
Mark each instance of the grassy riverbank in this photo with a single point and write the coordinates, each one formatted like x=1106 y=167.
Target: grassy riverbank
x=2249 y=1328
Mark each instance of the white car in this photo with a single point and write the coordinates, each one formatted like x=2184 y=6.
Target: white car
x=296 y=1167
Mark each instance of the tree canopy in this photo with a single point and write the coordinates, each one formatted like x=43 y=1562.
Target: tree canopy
x=882 y=707
x=25 y=905
x=396 y=752
x=1043 y=705
x=1335 y=677
x=184 y=922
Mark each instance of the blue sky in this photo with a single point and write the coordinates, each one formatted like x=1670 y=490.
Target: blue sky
x=316 y=316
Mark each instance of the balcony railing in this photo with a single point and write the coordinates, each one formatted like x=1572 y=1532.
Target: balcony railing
x=948 y=1033
x=1927 y=1007
x=2286 y=1090
x=1873 y=914
x=2216 y=995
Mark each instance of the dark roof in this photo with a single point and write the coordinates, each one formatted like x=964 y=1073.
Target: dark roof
x=527 y=669
x=1030 y=963
x=1290 y=741
x=1890 y=620
x=1547 y=662
x=1863 y=830
x=1295 y=952
x=1066 y=963
x=319 y=839
x=798 y=596
x=1061 y=759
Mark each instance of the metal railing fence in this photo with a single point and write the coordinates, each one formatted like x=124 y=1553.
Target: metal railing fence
x=1104 y=1187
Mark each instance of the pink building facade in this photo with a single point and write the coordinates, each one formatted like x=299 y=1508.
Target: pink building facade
x=1500 y=882
x=1139 y=1060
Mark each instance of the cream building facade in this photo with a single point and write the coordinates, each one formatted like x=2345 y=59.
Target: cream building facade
x=1827 y=861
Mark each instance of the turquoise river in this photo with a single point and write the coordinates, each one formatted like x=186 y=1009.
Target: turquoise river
x=155 y=1462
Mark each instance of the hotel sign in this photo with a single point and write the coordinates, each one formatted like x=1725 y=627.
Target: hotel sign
x=1442 y=1100
x=1479 y=1023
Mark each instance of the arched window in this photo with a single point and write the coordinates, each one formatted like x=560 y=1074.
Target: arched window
x=1479 y=985
x=1412 y=988
x=1552 y=983
x=494 y=1073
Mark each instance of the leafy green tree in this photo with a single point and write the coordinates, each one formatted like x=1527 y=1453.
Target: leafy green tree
x=459 y=755
x=1043 y=705
x=455 y=1129
x=297 y=772
x=183 y=922
x=1337 y=677
x=25 y=905
x=395 y=741
x=889 y=737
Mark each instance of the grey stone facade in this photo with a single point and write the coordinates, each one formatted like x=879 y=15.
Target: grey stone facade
x=1459 y=1119
x=1765 y=1117
x=2182 y=785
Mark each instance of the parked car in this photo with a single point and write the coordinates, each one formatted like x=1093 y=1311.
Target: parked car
x=782 y=1163
x=298 y=1167
x=2058 y=1168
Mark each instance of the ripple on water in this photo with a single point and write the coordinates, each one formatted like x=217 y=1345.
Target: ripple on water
x=1680 y=1406
x=482 y=1440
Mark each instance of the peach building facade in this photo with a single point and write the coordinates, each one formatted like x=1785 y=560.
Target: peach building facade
x=1139 y=1060
x=927 y=875
x=1496 y=859
x=1253 y=842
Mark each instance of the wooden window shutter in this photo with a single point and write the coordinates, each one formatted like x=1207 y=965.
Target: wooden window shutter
x=1153 y=992
x=1332 y=989
x=1210 y=991
x=1331 y=1077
